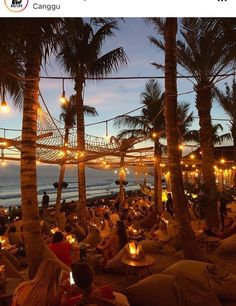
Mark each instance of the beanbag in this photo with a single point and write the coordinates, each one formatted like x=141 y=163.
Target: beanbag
x=149 y=221
x=115 y=265
x=153 y=290
x=221 y=282
x=151 y=246
x=10 y=270
x=193 y=270
x=227 y=246
x=165 y=290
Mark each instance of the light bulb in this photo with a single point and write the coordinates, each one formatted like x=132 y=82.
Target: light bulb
x=4 y=107
x=63 y=99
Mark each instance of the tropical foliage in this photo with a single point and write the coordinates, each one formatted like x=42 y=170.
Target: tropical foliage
x=80 y=53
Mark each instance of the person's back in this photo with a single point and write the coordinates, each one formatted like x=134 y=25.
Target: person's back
x=61 y=249
x=106 y=226
x=43 y=290
x=114 y=218
x=15 y=238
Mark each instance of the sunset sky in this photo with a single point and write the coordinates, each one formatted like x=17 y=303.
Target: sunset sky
x=113 y=97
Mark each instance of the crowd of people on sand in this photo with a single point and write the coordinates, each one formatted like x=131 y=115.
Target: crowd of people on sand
x=110 y=228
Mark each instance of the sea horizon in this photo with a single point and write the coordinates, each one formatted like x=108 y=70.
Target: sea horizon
x=95 y=186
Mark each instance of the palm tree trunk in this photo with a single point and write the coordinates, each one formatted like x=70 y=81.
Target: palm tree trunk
x=30 y=213
x=203 y=105
x=61 y=177
x=157 y=177
x=81 y=149
x=121 y=179
x=234 y=157
x=189 y=243
x=59 y=188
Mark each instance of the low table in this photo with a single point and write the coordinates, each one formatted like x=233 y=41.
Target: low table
x=134 y=265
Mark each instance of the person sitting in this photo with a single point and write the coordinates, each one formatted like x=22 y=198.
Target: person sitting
x=169 y=204
x=92 y=218
x=61 y=220
x=106 y=225
x=161 y=234
x=87 y=293
x=44 y=289
x=112 y=244
x=61 y=248
x=69 y=231
x=93 y=238
x=15 y=237
x=3 y=226
x=115 y=217
x=78 y=231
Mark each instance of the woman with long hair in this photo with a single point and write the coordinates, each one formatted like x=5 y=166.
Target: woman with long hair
x=43 y=290
x=117 y=239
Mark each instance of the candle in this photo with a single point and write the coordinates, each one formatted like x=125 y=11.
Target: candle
x=54 y=230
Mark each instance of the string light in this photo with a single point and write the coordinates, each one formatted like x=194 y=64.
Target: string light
x=181 y=147
x=63 y=95
x=4 y=106
x=222 y=160
x=192 y=156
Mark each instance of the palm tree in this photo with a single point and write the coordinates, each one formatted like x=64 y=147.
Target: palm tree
x=208 y=47
x=33 y=44
x=148 y=125
x=80 y=53
x=205 y=52
x=151 y=125
x=194 y=135
x=124 y=144
x=68 y=115
x=190 y=247
x=227 y=100
x=11 y=63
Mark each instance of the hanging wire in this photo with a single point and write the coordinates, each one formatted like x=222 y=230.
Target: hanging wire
x=106 y=129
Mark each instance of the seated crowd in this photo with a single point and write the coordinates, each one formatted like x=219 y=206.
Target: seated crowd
x=110 y=228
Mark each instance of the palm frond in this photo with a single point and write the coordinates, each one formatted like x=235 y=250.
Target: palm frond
x=108 y=63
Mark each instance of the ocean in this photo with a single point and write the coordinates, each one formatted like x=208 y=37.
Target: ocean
x=96 y=186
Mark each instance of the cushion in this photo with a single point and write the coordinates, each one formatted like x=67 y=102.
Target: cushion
x=149 y=221
x=172 y=231
x=165 y=290
x=153 y=290
x=193 y=293
x=151 y=246
x=227 y=246
x=115 y=265
x=193 y=270
x=10 y=270
x=221 y=282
